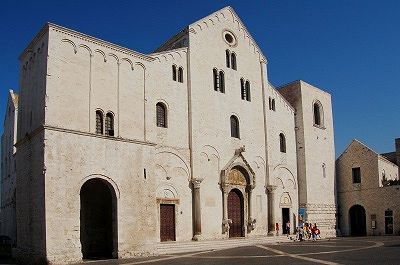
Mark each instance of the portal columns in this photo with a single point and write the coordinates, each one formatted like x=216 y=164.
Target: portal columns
x=271 y=208
x=196 y=208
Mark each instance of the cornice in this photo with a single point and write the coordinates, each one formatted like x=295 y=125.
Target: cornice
x=99 y=42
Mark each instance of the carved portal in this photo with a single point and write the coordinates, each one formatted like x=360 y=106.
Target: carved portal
x=238 y=174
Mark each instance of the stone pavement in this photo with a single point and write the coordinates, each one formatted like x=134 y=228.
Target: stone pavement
x=192 y=246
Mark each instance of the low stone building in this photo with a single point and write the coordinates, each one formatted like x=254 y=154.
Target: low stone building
x=8 y=168
x=368 y=191
x=118 y=150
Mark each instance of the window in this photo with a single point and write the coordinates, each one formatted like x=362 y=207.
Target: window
x=234 y=127
x=270 y=103
x=282 y=143
x=242 y=89
x=233 y=61
x=161 y=115
x=174 y=72
x=323 y=170
x=356 y=173
x=99 y=122
x=216 y=79
x=273 y=104
x=109 y=124
x=318 y=114
x=221 y=82
x=180 y=75
x=228 y=58
x=389 y=222
x=248 y=91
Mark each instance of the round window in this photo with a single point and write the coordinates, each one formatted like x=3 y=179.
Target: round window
x=229 y=38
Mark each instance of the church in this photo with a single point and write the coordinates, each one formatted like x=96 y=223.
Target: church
x=117 y=150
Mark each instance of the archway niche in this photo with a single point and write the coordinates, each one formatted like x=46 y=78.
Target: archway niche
x=98 y=220
x=357 y=221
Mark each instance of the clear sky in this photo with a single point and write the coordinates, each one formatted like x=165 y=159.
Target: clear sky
x=350 y=48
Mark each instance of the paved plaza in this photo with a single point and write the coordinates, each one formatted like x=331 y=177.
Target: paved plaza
x=362 y=250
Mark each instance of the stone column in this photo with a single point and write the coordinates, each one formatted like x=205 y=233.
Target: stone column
x=196 y=208
x=271 y=209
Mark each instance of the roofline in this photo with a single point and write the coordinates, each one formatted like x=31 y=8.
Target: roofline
x=172 y=39
x=302 y=81
x=282 y=96
x=355 y=140
x=240 y=21
x=95 y=40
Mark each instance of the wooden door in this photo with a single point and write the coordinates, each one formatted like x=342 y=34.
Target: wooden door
x=167 y=222
x=235 y=213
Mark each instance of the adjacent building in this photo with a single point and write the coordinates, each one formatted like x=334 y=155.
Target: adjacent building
x=8 y=168
x=368 y=191
x=118 y=150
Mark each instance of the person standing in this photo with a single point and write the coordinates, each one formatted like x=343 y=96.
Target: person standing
x=277 y=229
x=288 y=228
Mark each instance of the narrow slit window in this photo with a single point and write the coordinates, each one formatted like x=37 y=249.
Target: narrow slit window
x=109 y=124
x=227 y=54
x=161 y=115
x=180 y=75
x=174 y=72
x=215 y=79
x=99 y=122
x=221 y=82
x=235 y=127
x=242 y=89
x=248 y=91
x=282 y=143
x=233 y=61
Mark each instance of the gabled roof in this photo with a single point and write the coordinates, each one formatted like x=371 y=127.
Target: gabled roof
x=236 y=19
x=355 y=141
x=204 y=21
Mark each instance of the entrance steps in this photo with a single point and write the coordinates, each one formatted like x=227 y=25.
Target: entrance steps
x=193 y=246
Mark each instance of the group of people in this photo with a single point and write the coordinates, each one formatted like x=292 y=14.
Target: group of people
x=305 y=231
x=308 y=231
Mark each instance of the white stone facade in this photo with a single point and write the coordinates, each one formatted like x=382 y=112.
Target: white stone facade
x=365 y=203
x=191 y=164
x=8 y=168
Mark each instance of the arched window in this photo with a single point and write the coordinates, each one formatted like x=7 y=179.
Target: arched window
x=235 y=127
x=233 y=61
x=248 y=91
x=109 y=124
x=318 y=114
x=273 y=104
x=216 y=79
x=174 y=72
x=242 y=89
x=270 y=103
x=282 y=143
x=99 y=122
x=324 y=170
x=161 y=115
x=180 y=75
x=221 y=82
x=227 y=54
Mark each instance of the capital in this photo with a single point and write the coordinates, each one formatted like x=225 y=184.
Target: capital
x=196 y=182
x=271 y=188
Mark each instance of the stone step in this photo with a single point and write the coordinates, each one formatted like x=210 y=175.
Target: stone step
x=191 y=246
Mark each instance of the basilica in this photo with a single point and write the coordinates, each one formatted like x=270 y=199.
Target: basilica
x=117 y=150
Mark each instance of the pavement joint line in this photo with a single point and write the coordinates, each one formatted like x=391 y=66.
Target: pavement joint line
x=170 y=258
x=297 y=256
x=376 y=245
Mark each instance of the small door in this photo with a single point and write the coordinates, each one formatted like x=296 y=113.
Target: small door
x=167 y=222
x=285 y=219
x=235 y=213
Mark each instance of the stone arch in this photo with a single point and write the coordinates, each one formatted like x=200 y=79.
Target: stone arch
x=109 y=180
x=357 y=220
x=98 y=219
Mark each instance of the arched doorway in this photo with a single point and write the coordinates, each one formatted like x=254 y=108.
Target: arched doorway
x=98 y=229
x=357 y=221
x=235 y=213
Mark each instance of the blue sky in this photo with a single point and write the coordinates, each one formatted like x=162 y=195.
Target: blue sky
x=349 y=48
